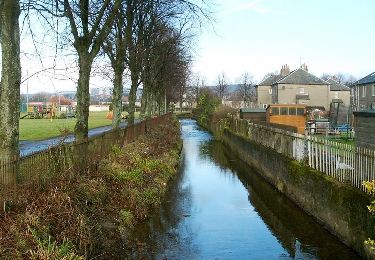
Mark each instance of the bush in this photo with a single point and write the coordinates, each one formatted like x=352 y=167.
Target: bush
x=207 y=103
x=62 y=116
x=222 y=112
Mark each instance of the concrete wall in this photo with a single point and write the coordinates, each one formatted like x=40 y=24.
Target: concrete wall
x=98 y=108
x=264 y=96
x=337 y=206
x=318 y=94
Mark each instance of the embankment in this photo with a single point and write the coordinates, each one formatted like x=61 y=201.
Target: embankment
x=339 y=207
x=91 y=214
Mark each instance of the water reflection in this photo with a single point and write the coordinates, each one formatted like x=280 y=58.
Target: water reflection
x=219 y=208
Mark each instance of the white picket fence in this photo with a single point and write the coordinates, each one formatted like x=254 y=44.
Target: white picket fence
x=341 y=161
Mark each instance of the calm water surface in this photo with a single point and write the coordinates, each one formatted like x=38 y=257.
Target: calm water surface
x=219 y=208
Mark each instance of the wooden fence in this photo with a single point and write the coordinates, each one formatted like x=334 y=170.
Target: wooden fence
x=70 y=158
x=341 y=161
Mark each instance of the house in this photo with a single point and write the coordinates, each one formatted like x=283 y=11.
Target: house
x=264 y=88
x=363 y=93
x=338 y=92
x=301 y=87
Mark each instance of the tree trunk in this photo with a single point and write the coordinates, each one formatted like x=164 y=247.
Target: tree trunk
x=10 y=79
x=83 y=96
x=144 y=100
x=132 y=99
x=117 y=98
x=149 y=104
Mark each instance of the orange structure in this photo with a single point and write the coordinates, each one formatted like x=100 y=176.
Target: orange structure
x=287 y=114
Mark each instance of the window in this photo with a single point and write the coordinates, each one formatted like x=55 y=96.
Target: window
x=363 y=91
x=292 y=111
x=275 y=111
x=373 y=90
x=301 y=90
x=270 y=91
x=300 y=111
x=336 y=95
x=284 y=111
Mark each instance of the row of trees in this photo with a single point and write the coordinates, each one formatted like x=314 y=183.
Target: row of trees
x=148 y=40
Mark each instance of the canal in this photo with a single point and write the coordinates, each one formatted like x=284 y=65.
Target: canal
x=219 y=208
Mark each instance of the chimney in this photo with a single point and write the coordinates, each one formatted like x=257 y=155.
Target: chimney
x=284 y=70
x=304 y=67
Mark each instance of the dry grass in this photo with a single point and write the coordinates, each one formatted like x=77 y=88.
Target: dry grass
x=88 y=215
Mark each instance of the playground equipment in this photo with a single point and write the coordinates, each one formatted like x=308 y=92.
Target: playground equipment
x=40 y=111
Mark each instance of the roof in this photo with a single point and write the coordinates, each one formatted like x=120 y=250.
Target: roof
x=365 y=113
x=301 y=77
x=252 y=110
x=270 y=80
x=336 y=86
x=370 y=78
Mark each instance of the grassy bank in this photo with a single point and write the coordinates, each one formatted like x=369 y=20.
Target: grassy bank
x=39 y=129
x=91 y=215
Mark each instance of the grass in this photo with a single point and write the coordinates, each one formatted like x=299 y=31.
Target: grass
x=88 y=215
x=39 y=129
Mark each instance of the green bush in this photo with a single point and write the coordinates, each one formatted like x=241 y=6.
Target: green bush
x=207 y=103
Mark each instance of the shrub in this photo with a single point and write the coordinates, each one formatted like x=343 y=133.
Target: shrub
x=207 y=103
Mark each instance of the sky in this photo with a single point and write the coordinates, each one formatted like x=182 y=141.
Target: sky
x=255 y=36
x=259 y=36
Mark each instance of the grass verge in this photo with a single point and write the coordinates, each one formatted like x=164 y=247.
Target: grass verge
x=39 y=129
x=90 y=215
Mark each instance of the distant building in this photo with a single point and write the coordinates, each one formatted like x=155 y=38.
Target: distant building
x=264 y=88
x=363 y=93
x=339 y=92
x=94 y=91
x=301 y=87
x=72 y=95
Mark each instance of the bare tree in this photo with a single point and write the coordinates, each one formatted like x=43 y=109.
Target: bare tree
x=89 y=23
x=10 y=78
x=222 y=86
x=246 y=89
x=340 y=77
x=115 y=48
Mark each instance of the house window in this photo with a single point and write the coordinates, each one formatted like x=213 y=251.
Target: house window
x=270 y=91
x=363 y=91
x=373 y=90
x=336 y=95
x=301 y=90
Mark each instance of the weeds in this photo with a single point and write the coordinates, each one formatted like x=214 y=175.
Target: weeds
x=78 y=216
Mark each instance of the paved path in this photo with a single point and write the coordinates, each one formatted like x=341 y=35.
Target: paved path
x=29 y=147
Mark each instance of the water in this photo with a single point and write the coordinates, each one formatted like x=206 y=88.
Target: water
x=219 y=208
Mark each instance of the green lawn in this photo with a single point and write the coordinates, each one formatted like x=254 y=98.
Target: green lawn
x=38 y=129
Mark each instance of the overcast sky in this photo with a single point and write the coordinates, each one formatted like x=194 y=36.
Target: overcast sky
x=257 y=36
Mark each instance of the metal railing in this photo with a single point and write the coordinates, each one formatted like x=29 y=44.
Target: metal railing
x=343 y=162
x=70 y=158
